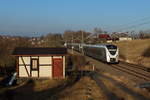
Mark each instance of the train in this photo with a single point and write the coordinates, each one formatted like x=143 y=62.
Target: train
x=107 y=53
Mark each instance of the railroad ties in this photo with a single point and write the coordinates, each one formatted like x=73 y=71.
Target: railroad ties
x=145 y=85
x=137 y=71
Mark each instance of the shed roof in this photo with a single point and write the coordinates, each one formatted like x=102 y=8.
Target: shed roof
x=39 y=51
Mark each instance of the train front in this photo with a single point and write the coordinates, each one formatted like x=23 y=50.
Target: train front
x=112 y=54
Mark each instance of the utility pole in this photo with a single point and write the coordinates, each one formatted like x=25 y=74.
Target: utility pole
x=82 y=41
x=82 y=37
x=72 y=43
x=127 y=59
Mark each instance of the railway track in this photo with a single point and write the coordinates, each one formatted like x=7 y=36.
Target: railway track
x=112 y=95
x=136 y=66
x=137 y=71
x=134 y=70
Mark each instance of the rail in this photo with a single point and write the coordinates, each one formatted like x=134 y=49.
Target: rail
x=135 y=71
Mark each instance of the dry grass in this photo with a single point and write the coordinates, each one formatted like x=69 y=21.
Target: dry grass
x=45 y=84
x=76 y=61
x=136 y=51
x=117 y=91
x=80 y=91
x=126 y=83
x=76 y=92
x=30 y=89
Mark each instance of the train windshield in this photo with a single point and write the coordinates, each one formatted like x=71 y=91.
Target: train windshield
x=112 y=49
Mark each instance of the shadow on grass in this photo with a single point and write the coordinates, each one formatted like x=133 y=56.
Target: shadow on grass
x=109 y=95
x=26 y=92
x=53 y=93
x=18 y=93
x=136 y=95
x=146 y=52
x=6 y=70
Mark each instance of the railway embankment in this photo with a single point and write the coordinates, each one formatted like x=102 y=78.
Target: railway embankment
x=135 y=51
x=118 y=81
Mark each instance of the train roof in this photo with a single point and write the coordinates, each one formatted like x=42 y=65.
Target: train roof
x=102 y=46
x=74 y=43
x=99 y=45
x=91 y=45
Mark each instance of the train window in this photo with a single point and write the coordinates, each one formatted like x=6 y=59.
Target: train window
x=112 y=52
x=111 y=47
x=99 y=51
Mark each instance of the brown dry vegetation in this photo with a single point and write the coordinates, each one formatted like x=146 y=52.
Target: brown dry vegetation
x=122 y=87
x=129 y=90
x=28 y=90
x=55 y=90
x=136 y=51
x=84 y=89
x=74 y=62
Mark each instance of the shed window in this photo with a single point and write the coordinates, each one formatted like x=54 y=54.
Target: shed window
x=34 y=63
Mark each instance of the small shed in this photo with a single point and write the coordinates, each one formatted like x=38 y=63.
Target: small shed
x=40 y=62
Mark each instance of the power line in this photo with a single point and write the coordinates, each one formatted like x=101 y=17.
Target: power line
x=135 y=25
x=135 y=21
x=132 y=24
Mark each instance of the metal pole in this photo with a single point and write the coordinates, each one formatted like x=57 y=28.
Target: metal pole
x=82 y=40
x=72 y=43
x=82 y=37
x=127 y=60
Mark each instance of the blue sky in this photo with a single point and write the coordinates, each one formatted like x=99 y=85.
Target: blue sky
x=61 y=15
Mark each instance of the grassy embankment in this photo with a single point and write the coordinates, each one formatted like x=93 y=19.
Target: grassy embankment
x=136 y=51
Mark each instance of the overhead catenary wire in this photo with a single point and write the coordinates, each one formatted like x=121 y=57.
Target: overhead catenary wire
x=134 y=24
x=135 y=21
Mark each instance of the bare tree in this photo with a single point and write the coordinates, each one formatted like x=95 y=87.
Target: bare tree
x=75 y=36
x=144 y=34
x=53 y=40
x=98 y=30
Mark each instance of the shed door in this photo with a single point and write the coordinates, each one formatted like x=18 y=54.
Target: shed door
x=57 y=67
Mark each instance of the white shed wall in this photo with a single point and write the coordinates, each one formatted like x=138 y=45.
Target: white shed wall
x=26 y=60
x=23 y=72
x=45 y=66
x=57 y=57
x=34 y=73
x=45 y=71
x=45 y=60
